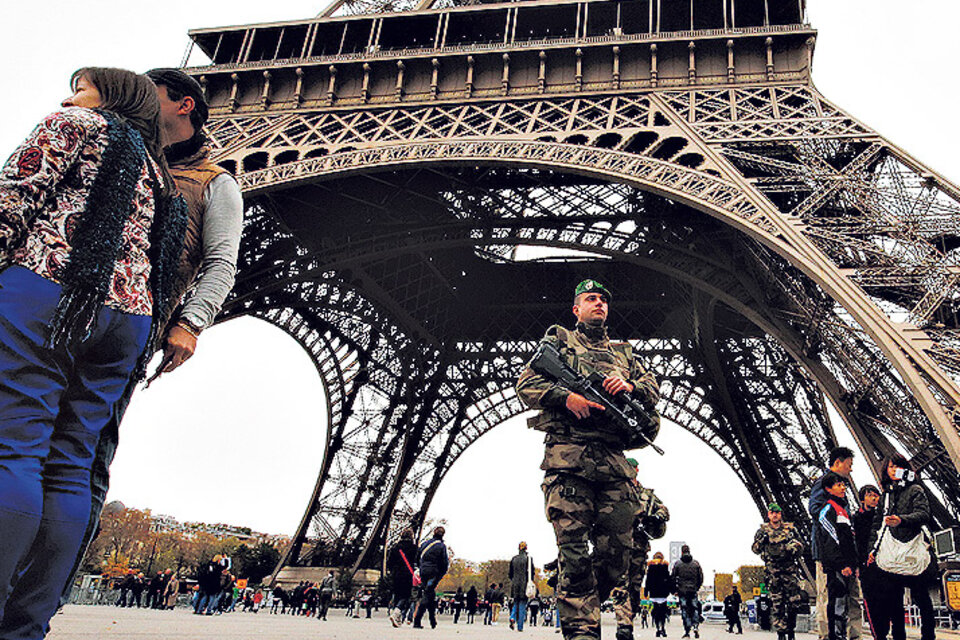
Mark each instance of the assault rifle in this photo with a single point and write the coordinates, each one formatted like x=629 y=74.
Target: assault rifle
x=624 y=411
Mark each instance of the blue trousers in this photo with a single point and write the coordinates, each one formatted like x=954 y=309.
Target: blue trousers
x=518 y=612
x=689 y=611
x=53 y=404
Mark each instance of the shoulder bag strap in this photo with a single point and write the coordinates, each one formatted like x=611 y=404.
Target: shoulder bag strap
x=883 y=527
x=405 y=561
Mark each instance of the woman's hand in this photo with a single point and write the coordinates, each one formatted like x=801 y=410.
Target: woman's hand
x=892 y=521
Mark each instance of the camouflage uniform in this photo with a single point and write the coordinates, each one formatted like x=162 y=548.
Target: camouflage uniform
x=650 y=523
x=588 y=483
x=780 y=549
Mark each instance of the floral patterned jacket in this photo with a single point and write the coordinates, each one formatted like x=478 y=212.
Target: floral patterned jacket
x=44 y=187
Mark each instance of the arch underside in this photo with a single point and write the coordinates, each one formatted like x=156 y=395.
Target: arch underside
x=419 y=340
x=411 y=281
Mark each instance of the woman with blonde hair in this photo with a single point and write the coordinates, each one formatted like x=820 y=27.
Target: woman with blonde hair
x=90 y=235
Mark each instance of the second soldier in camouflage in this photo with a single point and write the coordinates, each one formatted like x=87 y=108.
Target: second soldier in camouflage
x=780 y=545
x=650 y=524
x=588 y=482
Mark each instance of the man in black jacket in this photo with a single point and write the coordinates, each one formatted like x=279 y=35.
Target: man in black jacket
x=687 y=579
x=433 y=563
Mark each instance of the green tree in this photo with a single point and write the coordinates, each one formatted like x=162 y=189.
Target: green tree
x=495 y=571
x=254 y=563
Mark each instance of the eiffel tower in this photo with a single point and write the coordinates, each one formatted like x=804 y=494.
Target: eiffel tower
x=426 y=180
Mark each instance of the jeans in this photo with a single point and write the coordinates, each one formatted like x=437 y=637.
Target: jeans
x=518 y=612
x=689 y=611
x=53 y=405
x=207 y=603
x=428 y=602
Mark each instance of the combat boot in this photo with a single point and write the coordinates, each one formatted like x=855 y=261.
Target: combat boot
x=624 y=632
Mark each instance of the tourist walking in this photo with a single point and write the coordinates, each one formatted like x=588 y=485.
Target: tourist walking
x=471 y=603
x=687 y=579
x=521 y=575
x=433 y=563
x=459 y=599
x=658 y=587
x=400 y=561
x=171 y=591
x=327 y=588
x=731 y=610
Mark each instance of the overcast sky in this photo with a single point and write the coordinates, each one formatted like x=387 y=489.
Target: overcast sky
x=237 y=434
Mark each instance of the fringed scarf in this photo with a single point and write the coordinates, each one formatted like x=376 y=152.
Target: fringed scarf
x=98 y=238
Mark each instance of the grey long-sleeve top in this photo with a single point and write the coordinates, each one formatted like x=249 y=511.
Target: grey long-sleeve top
x=222 y=225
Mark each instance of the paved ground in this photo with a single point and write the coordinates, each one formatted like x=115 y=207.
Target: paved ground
x=78 y=622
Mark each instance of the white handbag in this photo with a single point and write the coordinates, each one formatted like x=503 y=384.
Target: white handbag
x=910 y=558
x=531 y=585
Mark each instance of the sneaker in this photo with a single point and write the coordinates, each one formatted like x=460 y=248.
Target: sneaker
x=511 y=624
x=394 y=618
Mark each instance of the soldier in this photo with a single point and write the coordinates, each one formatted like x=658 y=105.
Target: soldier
x=587 y=485
x=650 y=524
x=780 y=545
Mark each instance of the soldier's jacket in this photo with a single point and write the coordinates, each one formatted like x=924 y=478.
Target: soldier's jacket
x=583 y=447
x=780 y=548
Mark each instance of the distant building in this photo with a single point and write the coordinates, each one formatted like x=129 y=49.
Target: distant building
x=162 y=523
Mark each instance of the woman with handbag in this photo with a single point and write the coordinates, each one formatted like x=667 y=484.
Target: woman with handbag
x=902 y=547
x=400 y=568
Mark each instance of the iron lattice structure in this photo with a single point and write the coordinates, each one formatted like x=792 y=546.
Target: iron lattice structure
x=424 y=185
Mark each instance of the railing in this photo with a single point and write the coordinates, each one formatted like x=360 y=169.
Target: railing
x=499 y=45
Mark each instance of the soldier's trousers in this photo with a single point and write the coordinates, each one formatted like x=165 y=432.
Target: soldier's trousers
x=785 y=599
x=626 y=597
x=584 y=512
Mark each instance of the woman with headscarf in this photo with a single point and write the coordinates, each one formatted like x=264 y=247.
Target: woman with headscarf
x=90 y=235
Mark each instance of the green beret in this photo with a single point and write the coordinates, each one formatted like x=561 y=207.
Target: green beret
x=773 y=506
x=592 y=286
x=633 y=462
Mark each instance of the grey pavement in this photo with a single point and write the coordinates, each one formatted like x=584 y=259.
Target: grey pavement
x=92 y=621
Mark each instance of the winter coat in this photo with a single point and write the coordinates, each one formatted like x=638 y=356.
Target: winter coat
x=863 y=532
x=909 y=501
x=519 y=574
x=818 y=498
x=687 y=575
x=658 y=584
x=433 y=560
x=833 y=531
x=171 y=591
x=400 y=576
